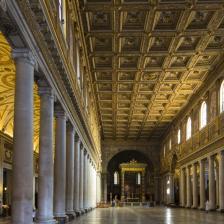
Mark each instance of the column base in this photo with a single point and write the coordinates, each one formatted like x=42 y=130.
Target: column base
x=49 y=221
x=71 y=216
x=82 y=211
x=221 y=210
x=86 y=210
x=77 y=213
x=202 y=209
x=212 y=210
x=194 y=207
x=62 y=220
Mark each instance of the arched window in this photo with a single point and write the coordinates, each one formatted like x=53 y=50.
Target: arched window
x=188 y=129
x=203 y=115
x=62 y=15
x=178 y=137
x=116 y=178
x=164 y=150
x=60 y=10
x=138 y=178
x=222 y=97
x=170 y=144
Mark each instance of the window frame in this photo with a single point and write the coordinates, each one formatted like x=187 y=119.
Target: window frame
x=221 y=96
x=188 y=129
x=179 y=136
x=203 y=115
x=170 y=144
x=116 y=178
x=138 y=182
x=60 y=11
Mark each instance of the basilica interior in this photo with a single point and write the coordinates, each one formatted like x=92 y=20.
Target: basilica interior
x=121 y=117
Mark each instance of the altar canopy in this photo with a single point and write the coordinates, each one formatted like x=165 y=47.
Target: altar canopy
x=133 y=181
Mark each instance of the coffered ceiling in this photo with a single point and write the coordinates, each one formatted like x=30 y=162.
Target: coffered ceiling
x=148 y=57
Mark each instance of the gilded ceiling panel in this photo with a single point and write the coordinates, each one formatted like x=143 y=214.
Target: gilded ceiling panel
x=148 y=58
x=7 y=88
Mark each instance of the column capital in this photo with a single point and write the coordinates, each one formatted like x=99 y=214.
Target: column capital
x=221 y=153
x=85 y=152
x=77 y=137
x=211 y=157
x=81 y=146
x=201 y=161
x=70 y=127
x=44 y=88
x=189 y=166
x=24 y=54
x=59 y=112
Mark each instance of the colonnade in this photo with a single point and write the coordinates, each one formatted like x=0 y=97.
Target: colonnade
x=201 y=181
x=68 y=183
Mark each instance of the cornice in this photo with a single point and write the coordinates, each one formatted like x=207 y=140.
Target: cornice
x=77 y=11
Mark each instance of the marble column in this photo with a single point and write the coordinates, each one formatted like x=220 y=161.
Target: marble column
x=171 y=199
x=212 y=205
x=76 y=174
x=60 y=166
x=22 y=181
x=46 y=166
x=94 y=192
x=85 y=180
x=182 y=187
x=195 y=186
x=189 y=191
x=92 y=188
x=221 y=181
x=90 y=182
x=104 y=186
x=98 y=186
x=70 y=137
x=217 y=185
x=81 y=190
x=143 y=186
x=202 y=184
x=156 y=189
x=122 y=186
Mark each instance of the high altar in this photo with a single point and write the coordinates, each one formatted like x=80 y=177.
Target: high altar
x=133 y=181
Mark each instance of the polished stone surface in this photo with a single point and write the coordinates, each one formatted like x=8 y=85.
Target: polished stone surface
x=5 y=221
x=158 y=215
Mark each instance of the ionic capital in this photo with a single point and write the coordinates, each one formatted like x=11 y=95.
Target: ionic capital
x=77 y=137
x=25 y=55
x=44 y=89
x=59 y=112
x=70 y=127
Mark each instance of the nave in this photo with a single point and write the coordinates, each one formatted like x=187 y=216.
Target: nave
x=156 y=215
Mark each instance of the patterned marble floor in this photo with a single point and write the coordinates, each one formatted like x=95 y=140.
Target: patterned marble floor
x=4 y=221
x=156 y=215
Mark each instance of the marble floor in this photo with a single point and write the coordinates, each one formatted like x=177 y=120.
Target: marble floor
x=158 y=215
